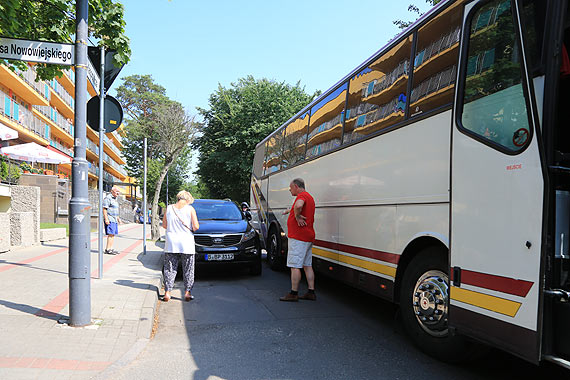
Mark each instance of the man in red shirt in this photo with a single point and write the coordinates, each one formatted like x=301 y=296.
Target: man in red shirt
x=301 y=235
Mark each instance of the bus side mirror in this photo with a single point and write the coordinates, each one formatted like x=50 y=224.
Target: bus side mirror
x=247 y=215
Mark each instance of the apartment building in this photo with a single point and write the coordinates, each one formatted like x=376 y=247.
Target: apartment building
x=43 y=112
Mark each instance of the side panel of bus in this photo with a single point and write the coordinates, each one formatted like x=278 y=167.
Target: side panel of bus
x=373 y=199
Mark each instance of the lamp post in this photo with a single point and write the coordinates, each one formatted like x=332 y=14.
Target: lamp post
x=79 y=206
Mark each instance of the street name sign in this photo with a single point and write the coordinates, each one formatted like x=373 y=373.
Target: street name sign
x=37 y=51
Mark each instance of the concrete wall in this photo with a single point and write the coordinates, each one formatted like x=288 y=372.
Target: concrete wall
x=5 y=195
x=20 y=232
x=27 y=199
x=4 y=231
x=48 y=192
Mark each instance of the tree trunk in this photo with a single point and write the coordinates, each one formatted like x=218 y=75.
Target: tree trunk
x=154 y=221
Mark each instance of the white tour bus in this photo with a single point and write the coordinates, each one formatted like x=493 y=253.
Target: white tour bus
x=440 y=168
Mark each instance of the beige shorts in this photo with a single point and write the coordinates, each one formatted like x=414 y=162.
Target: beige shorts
x=300 y=253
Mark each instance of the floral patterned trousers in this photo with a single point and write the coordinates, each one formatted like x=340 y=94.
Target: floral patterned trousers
x=171 y=267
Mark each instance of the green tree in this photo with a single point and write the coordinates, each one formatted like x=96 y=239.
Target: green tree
x=54 y=20
x=238 y=118
x=166 y=125
x=414 y=10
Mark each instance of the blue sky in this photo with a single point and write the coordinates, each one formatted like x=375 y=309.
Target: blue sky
x=189 y=46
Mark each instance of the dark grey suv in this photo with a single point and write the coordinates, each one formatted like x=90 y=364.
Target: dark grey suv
x=225 y=235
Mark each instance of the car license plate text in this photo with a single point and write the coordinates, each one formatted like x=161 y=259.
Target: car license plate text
x=219 y=256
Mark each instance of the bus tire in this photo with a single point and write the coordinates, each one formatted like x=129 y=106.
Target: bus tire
x=424 y=305
x=274 y=250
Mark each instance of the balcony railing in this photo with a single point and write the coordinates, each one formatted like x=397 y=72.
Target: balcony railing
x=62 y=148
x=21 y=115
x=56 y=117
x=92 y=147
x=93 y=169
x=114 y=164
x=114 y=147
x=70 y=74
x=58 y=88
x=30 y=77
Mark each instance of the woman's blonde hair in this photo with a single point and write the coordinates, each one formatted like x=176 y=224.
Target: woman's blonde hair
x=186 y=196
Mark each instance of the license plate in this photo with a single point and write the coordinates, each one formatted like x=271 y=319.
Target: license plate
x=219 y=256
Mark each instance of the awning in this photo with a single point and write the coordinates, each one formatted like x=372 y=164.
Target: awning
x=7 y=133
x=34 y=153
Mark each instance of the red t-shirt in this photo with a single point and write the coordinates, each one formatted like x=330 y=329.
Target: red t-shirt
x=305 y=233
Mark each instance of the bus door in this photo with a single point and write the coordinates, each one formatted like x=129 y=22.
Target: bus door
x=496 y=186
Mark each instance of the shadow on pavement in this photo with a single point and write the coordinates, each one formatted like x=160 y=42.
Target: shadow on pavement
x=5 y=262
x=136 y=285
x=31 y=310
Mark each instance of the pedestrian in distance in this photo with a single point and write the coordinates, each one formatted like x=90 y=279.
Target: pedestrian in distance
x=180 y=222
x=111 y=218
x=301 y=235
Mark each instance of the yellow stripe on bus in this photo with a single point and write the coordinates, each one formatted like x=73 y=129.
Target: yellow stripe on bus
x=374 y=267
x=485 y=301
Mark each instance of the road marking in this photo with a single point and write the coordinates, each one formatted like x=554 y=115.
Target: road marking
x=48 y=363
x=57 y=304
x=6 y=267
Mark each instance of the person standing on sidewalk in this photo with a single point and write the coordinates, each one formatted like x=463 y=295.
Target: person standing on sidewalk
x=180 y=223
x=111 y=218
x=301 y=235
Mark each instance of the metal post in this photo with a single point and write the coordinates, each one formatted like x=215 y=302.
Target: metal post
x=101 y=150
x=79 y=207
x=166 y=203
x=145 y=217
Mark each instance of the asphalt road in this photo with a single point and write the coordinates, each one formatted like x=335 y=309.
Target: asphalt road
x=237 y=328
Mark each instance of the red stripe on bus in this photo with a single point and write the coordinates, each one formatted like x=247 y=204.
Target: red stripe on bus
x=499 y=283
x=366 y=252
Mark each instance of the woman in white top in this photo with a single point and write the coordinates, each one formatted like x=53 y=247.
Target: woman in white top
x=180 y=222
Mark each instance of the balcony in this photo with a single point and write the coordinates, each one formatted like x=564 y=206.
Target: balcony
x=21 y=86
x=67 y=80
x=61 y=99
x=62 y=148
x=64 y=128
x=23 y=120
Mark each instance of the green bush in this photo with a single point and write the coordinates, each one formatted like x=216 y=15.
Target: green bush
x=3 y=169
x=25 y=166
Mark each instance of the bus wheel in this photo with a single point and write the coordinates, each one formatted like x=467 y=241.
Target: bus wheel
x=424 y=303
x=273 y=250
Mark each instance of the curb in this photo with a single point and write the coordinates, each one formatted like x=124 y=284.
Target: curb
x=149 y=309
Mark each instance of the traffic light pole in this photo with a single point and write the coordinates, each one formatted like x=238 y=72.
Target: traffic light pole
x=145 y=217
x=79 y=206
x=101 y=150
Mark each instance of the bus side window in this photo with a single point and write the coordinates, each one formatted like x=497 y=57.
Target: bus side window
x=294 y=141
x=273 y=150
x=258 y=161
x=494 y=108
x=435 y=62
x=327 y=118
x=377 y=94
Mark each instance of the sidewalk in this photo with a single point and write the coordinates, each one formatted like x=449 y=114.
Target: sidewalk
x=35 y=344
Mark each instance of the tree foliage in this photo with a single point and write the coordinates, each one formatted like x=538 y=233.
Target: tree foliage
x=54 y=21
x=414 y=10
x=169 y=131
x=238 y=118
